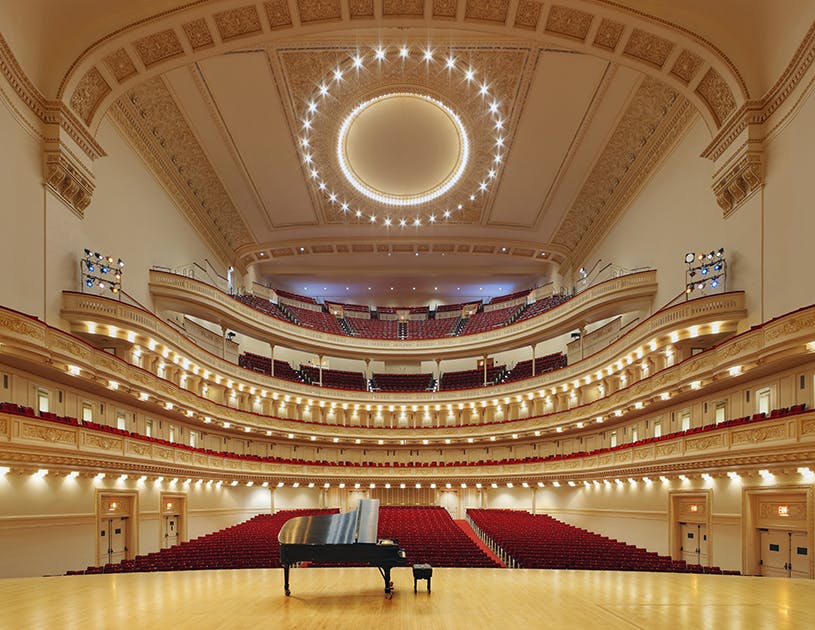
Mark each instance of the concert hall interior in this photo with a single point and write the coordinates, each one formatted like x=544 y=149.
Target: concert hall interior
x=533 y=274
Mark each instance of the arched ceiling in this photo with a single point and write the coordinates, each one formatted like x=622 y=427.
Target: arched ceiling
x=566 y=107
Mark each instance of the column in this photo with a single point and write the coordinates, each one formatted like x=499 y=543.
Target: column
x=533 y=359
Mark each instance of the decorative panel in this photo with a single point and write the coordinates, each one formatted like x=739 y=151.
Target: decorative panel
x=236 y=23
x=158 y=47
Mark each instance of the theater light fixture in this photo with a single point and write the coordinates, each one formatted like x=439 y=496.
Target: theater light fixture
x=103 y=272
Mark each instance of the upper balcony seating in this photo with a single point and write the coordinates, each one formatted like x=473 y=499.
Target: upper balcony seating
x=323 y=320
x=483 y=321
x=512 y=296
x=467 y=379
x=523 y=369
x=402 y=382
x=339 y=379
x=374 y=328
x=294 y=296
x=255 y=362
x=318 y=320
x=542 y=542
x=264 y=306
x=430 y=328
x=541 y=306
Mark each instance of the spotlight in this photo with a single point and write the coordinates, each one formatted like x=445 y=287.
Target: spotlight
x=89 y=282
x=720 y=253
x=90 y=266
x=705 y=271
x=717 y=266
x=121 y=263
x=104 y=269
x=87 y=252
x=700 y=286
x=690 y=257
x=714 y=283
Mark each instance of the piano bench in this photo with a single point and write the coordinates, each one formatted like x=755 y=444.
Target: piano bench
x=422 y=572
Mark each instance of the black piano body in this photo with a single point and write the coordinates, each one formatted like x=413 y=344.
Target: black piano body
x=347 y=537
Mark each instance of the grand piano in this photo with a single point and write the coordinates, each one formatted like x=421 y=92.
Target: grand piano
x=346 y=537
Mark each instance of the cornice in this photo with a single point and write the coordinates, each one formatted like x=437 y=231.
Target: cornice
x=786 y=442
x=46 y=111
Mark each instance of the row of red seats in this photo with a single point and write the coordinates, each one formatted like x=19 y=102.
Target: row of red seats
x=487 y=320
x=427 y=534
x=542 y=542
x=402 y=382
x=338 y=379
x=469 y=379
x=251 y=544
x=523 y=369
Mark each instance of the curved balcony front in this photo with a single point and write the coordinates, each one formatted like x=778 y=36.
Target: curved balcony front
x=629 y=293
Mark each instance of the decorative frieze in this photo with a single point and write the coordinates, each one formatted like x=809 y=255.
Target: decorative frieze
x=158 y=47
x=198 y=34
x=89 y=92
x=403 y=8
x=569 y=22
x=236 y=23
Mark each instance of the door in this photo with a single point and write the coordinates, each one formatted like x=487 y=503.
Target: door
x=694 y=543
x=784 y=554
x=113 y=540
x=449 y=501
x=170 y=530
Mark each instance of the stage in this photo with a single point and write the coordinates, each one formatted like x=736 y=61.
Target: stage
x=353 y=598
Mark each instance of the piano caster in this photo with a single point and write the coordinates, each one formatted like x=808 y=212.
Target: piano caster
x=288 y=593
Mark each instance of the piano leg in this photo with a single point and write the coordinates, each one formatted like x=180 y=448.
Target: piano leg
x=386 y=575
x=286 y=579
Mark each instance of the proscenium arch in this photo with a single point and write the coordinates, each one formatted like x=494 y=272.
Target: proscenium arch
x=691 y=65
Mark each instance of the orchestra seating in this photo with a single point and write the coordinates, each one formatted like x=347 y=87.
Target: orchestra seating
x=523 y=369
x=429 y=535
x=402 y=382
x=248 y=545
x=255 y=362
x=483 y=321
x=542 y=542
x=467 y=379
x=339 y=379
x=374 y=328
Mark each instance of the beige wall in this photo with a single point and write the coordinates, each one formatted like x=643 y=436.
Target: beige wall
x=48 y=525
x=131 y=217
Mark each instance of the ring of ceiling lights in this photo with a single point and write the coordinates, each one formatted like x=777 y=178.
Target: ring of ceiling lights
x=410 y=199
x=398 y=69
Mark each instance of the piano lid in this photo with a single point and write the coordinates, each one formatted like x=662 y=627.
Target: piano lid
x=357 y=526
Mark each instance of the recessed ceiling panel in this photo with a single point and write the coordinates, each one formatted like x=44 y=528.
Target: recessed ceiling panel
x=243 y=89
x=557 y=107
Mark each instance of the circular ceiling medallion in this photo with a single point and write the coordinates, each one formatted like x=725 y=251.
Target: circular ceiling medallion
x=402 y=149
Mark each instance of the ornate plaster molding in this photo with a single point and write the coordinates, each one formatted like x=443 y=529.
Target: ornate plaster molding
x=604 y=28
x=737 y=150
x=67 y=179
x=154 y=124
x=655 y=119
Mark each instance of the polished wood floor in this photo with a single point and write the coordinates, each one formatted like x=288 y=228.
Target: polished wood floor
x=498 y=599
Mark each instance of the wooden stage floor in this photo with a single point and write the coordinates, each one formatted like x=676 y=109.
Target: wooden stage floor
x=353 y=598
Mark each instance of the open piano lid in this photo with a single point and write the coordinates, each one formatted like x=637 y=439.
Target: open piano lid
x=356 y=526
